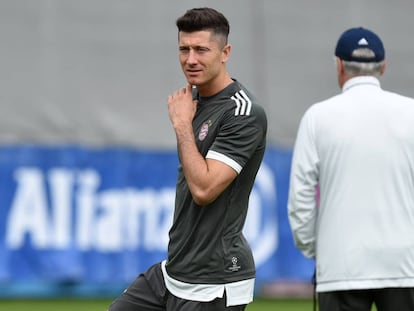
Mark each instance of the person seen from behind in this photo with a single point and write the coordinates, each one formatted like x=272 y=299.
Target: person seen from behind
x=358 y=148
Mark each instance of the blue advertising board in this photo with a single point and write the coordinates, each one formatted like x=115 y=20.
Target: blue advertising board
x=89 y=220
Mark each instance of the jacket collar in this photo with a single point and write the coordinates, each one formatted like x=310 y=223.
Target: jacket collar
x=359 y=81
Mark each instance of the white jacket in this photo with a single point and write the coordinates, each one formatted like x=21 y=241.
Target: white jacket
x=358 y=147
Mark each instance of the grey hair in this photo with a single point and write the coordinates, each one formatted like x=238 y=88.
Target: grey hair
x=363 y=68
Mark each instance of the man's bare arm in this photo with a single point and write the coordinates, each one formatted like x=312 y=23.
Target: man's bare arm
x=207 y=178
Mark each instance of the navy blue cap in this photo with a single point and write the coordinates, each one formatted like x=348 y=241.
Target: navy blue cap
x=357 y=38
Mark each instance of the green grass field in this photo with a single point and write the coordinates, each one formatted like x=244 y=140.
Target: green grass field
x=101 y=305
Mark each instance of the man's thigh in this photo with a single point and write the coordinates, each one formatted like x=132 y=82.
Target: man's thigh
x=146 y=293
x=140 y=297
x=391 y=299
x=352 y=300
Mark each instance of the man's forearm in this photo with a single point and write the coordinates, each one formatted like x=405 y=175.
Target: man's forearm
x=193 y=164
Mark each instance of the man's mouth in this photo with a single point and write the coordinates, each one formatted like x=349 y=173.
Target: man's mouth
x=193 y=71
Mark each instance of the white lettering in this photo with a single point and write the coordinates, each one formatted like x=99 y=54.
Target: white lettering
x=149 y=216
x=28 y=213
x=262 y=231
x=108 y=222
x=61 y=188
x=115 y=220
x=88 y=181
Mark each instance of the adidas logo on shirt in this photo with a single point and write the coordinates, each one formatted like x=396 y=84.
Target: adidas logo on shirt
x=243 y=104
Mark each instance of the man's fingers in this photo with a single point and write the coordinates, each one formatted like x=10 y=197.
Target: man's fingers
x=185 y=91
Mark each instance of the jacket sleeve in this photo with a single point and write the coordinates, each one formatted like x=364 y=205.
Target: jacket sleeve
x=304 y=176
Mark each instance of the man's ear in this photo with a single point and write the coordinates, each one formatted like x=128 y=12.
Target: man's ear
x=339 y=65
x=383 y=67
x=225 y=53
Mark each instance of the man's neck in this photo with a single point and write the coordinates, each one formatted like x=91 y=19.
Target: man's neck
x=214 y=87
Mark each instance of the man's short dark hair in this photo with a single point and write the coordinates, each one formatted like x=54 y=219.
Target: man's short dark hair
x=199 y=19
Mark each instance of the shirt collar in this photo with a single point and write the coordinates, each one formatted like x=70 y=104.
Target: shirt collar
x=360 y=80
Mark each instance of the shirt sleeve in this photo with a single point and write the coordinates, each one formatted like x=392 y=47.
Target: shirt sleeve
x=239 y=137
x=304 y=176
x=211 y=154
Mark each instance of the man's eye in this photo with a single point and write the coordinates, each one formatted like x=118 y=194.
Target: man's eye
x=201 y=49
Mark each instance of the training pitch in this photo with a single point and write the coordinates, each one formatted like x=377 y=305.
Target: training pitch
x=102 y=304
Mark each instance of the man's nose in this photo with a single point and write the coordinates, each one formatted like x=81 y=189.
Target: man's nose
x=192 y=57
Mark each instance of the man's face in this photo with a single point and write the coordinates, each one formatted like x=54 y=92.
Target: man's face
x=202 y=56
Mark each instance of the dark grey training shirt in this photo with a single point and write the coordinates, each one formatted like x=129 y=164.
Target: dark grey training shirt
x=206 y=242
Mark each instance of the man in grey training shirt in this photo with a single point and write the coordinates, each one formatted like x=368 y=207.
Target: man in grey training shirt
x=221 y=138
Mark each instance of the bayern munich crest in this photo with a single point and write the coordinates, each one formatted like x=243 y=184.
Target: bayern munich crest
x=204 y=130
